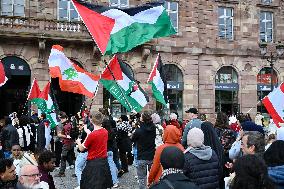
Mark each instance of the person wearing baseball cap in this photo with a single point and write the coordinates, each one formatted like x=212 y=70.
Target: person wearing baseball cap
x=194 y=122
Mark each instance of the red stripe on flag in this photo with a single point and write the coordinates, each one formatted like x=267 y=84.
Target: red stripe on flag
x=92 y=76
x=114 y=66
x=269 y=107
x=75 y=87
x=3 y=77
x=153 y=73
x=98 y=25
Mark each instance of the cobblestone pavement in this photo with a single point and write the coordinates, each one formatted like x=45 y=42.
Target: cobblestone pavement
x=127 y=181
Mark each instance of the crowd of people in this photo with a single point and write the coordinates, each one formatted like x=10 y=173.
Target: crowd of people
x=232 y=153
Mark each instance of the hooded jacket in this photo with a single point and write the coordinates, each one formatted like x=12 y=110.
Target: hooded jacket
x=277 y=176
x=145 y=140
x=202 y=167
x=171 y=137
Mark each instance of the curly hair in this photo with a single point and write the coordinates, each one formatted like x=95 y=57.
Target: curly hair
x=45 y=157
x=251 y=173
x=273 y=156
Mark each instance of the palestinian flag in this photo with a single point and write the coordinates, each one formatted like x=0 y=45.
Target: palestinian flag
x=34 y=91
x=117 y=79
x=3 y=78
x=273 y=102
x=119 y=30
x=158 y=82
x=45 y=105
x=72 y=78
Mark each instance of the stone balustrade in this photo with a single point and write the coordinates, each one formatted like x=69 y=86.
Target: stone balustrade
x=19 y=26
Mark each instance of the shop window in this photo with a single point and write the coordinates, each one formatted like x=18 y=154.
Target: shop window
x=226 y=90
x=174 y=92
x=13 y=95
x=264 y=86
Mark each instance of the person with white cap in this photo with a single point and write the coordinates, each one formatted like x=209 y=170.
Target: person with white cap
x=201 y=162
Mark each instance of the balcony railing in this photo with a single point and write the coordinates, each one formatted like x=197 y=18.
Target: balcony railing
x=37 y=27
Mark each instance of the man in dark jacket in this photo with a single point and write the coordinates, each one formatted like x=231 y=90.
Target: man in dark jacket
x=201 y=162
x=46 y=164
x=172 y=160
x=145 y=140
x=9 y=137
x=8 y=177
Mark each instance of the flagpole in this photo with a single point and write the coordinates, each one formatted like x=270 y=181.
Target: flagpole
x=118 y=85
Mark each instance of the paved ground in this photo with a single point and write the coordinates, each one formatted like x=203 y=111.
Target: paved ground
x=127 y=181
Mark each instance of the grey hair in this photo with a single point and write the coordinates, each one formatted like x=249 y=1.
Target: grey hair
x=257 y=140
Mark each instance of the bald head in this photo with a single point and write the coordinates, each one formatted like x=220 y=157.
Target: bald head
x=29 y=176
x=28 y=169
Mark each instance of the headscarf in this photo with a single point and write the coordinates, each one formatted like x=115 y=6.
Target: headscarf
x=211 y=139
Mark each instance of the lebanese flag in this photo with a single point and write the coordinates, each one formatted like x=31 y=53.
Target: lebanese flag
x=72 y=78
x=157 y=81
x=117 y=79
x=274 y=103
x=34 y=91
x=3 y=78
x=119 y=30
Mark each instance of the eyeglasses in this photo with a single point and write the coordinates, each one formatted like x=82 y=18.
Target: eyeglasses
x=33 y=175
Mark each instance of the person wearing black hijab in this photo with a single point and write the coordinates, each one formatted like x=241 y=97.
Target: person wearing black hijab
x=211 y=139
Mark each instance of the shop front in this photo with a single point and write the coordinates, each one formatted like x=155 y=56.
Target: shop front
x=13 y=95
x=226 y=91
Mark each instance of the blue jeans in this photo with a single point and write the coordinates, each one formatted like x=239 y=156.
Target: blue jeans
x=134 y=151
x=80 y=164
x=112 y=166
x=142 y=167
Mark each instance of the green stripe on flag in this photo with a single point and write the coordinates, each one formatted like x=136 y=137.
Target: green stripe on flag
x=139 y=33
x=157 y=94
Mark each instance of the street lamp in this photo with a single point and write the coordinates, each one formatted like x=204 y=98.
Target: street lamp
x=272 y=57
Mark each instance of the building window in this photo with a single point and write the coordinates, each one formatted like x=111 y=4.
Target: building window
x=266 y=1
x=172 y=10
x=226 y=21
x=264 y=85
x=119 y=3
x=266 y=26
x=226 y=91
x=13 y=7
x=67 y=11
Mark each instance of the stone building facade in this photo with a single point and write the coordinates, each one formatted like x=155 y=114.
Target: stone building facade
x=197 y=51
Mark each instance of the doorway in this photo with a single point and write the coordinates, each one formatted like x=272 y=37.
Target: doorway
x=13 y=95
